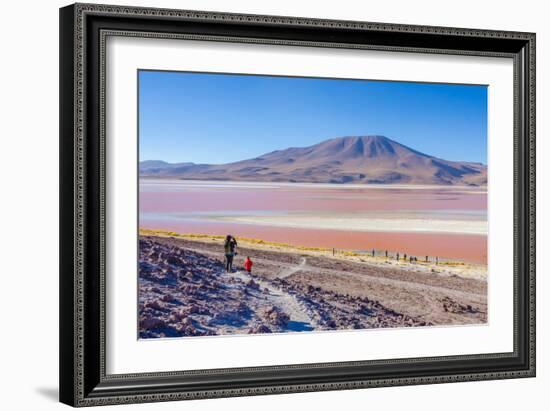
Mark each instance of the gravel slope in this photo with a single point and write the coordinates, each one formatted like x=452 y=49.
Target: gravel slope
x=185 y=291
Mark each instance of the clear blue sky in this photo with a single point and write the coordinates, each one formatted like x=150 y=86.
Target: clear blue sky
x=220 y=118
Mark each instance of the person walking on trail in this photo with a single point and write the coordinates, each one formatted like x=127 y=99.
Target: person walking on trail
x=248 y=265
x=229 y=246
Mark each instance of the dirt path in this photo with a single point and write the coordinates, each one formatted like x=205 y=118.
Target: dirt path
x=293 y=269
x=286 y=302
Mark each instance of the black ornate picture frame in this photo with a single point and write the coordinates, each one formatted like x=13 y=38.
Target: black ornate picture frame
x=83 y=31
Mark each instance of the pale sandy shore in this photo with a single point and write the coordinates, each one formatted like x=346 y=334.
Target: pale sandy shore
x=171 y=182
x=372 y=222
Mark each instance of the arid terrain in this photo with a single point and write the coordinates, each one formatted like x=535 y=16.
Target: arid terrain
x=185 y=291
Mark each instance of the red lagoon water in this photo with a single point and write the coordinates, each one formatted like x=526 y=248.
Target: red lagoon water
x=177 y=206
x=175 y=198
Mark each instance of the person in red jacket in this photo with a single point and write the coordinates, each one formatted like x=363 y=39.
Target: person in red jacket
x=248 y=265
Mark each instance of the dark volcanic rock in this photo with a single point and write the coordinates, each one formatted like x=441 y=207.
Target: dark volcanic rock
x=148 y=323
x=259 y=329
x=274 y=316
x=253 y=284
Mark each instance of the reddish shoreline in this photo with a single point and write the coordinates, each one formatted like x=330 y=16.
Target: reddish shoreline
x=469 y=248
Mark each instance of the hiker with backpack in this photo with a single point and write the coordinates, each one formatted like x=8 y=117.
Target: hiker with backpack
x=229 y=245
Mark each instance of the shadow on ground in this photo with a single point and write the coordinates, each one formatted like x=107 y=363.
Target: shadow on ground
x=51 y=393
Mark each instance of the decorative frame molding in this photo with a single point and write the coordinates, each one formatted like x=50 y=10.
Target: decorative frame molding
x=83 y=32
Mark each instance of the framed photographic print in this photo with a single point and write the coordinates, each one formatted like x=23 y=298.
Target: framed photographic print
x=262 y=204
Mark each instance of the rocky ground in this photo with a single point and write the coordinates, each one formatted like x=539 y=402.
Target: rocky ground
x=185 y=291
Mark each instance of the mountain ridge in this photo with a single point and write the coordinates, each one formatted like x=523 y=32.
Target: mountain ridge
x=370 y=159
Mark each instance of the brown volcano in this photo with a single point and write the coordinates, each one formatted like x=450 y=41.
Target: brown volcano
x=358 y=160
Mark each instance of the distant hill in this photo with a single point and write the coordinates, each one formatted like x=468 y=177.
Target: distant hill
x=358 y=159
